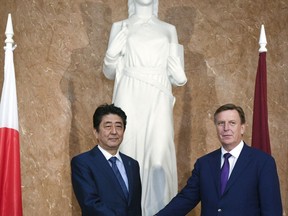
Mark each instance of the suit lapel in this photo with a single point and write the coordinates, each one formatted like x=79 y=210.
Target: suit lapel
x=215 y=163
x=241 y=164
x=128 y=169
x=104 y=167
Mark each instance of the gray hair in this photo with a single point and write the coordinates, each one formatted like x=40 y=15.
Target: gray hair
x=131 y=7
x=230 y=107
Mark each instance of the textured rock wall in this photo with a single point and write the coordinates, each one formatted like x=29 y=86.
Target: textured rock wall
x=58 y=65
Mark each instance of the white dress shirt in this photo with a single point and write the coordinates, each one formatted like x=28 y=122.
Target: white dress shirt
x=233 y=159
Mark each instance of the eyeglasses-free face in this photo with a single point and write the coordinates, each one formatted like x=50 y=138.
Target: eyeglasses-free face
x=229 y=129
x=111 y=132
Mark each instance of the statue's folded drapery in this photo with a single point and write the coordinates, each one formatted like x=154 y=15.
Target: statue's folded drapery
x=150 y=62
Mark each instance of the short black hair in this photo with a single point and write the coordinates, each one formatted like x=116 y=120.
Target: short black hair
x=231 y=107
x=106 y=109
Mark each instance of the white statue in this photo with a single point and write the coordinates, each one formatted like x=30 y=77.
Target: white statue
x=145 y=59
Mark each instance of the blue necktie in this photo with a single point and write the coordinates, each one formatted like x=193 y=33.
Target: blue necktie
x=225 y=172
x=119 y=177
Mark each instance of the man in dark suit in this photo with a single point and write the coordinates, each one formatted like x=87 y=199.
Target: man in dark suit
x=244 y=184
x=105 y=181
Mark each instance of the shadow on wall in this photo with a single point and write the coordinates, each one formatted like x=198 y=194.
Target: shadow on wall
x=84 y=84
x=193 y=100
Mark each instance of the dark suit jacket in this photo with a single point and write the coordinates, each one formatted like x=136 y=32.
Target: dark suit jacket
x=252 y=189
x=97 y=189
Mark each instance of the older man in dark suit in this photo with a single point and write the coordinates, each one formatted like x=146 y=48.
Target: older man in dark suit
x=105 y=181
x=235 y=180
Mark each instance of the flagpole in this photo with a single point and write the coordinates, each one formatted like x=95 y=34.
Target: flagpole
x=10 y=174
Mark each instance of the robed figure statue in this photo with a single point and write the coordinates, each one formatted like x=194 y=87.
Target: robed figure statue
x=145 y=60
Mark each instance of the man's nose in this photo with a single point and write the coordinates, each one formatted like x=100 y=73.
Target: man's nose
x=113 y=129
x=226 y=126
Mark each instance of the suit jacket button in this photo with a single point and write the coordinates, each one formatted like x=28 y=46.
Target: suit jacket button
x=219 y=210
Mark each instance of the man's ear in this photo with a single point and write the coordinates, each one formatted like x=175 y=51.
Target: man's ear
x=242 y=129
x=95 y=133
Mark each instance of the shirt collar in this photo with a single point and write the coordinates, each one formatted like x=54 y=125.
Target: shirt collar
x=235 y=152
x=107 y=155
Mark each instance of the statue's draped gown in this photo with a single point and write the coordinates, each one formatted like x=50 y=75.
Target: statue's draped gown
x=143 y=90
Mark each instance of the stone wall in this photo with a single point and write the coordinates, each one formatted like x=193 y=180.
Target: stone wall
x=58 y=65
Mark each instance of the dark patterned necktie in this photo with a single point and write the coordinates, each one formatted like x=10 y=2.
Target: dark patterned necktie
x=225 y=172
x=118 y=176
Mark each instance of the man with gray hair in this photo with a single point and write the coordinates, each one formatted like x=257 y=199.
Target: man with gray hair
x=234 y=180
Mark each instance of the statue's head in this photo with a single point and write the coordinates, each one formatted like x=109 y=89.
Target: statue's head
x=131 y=6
